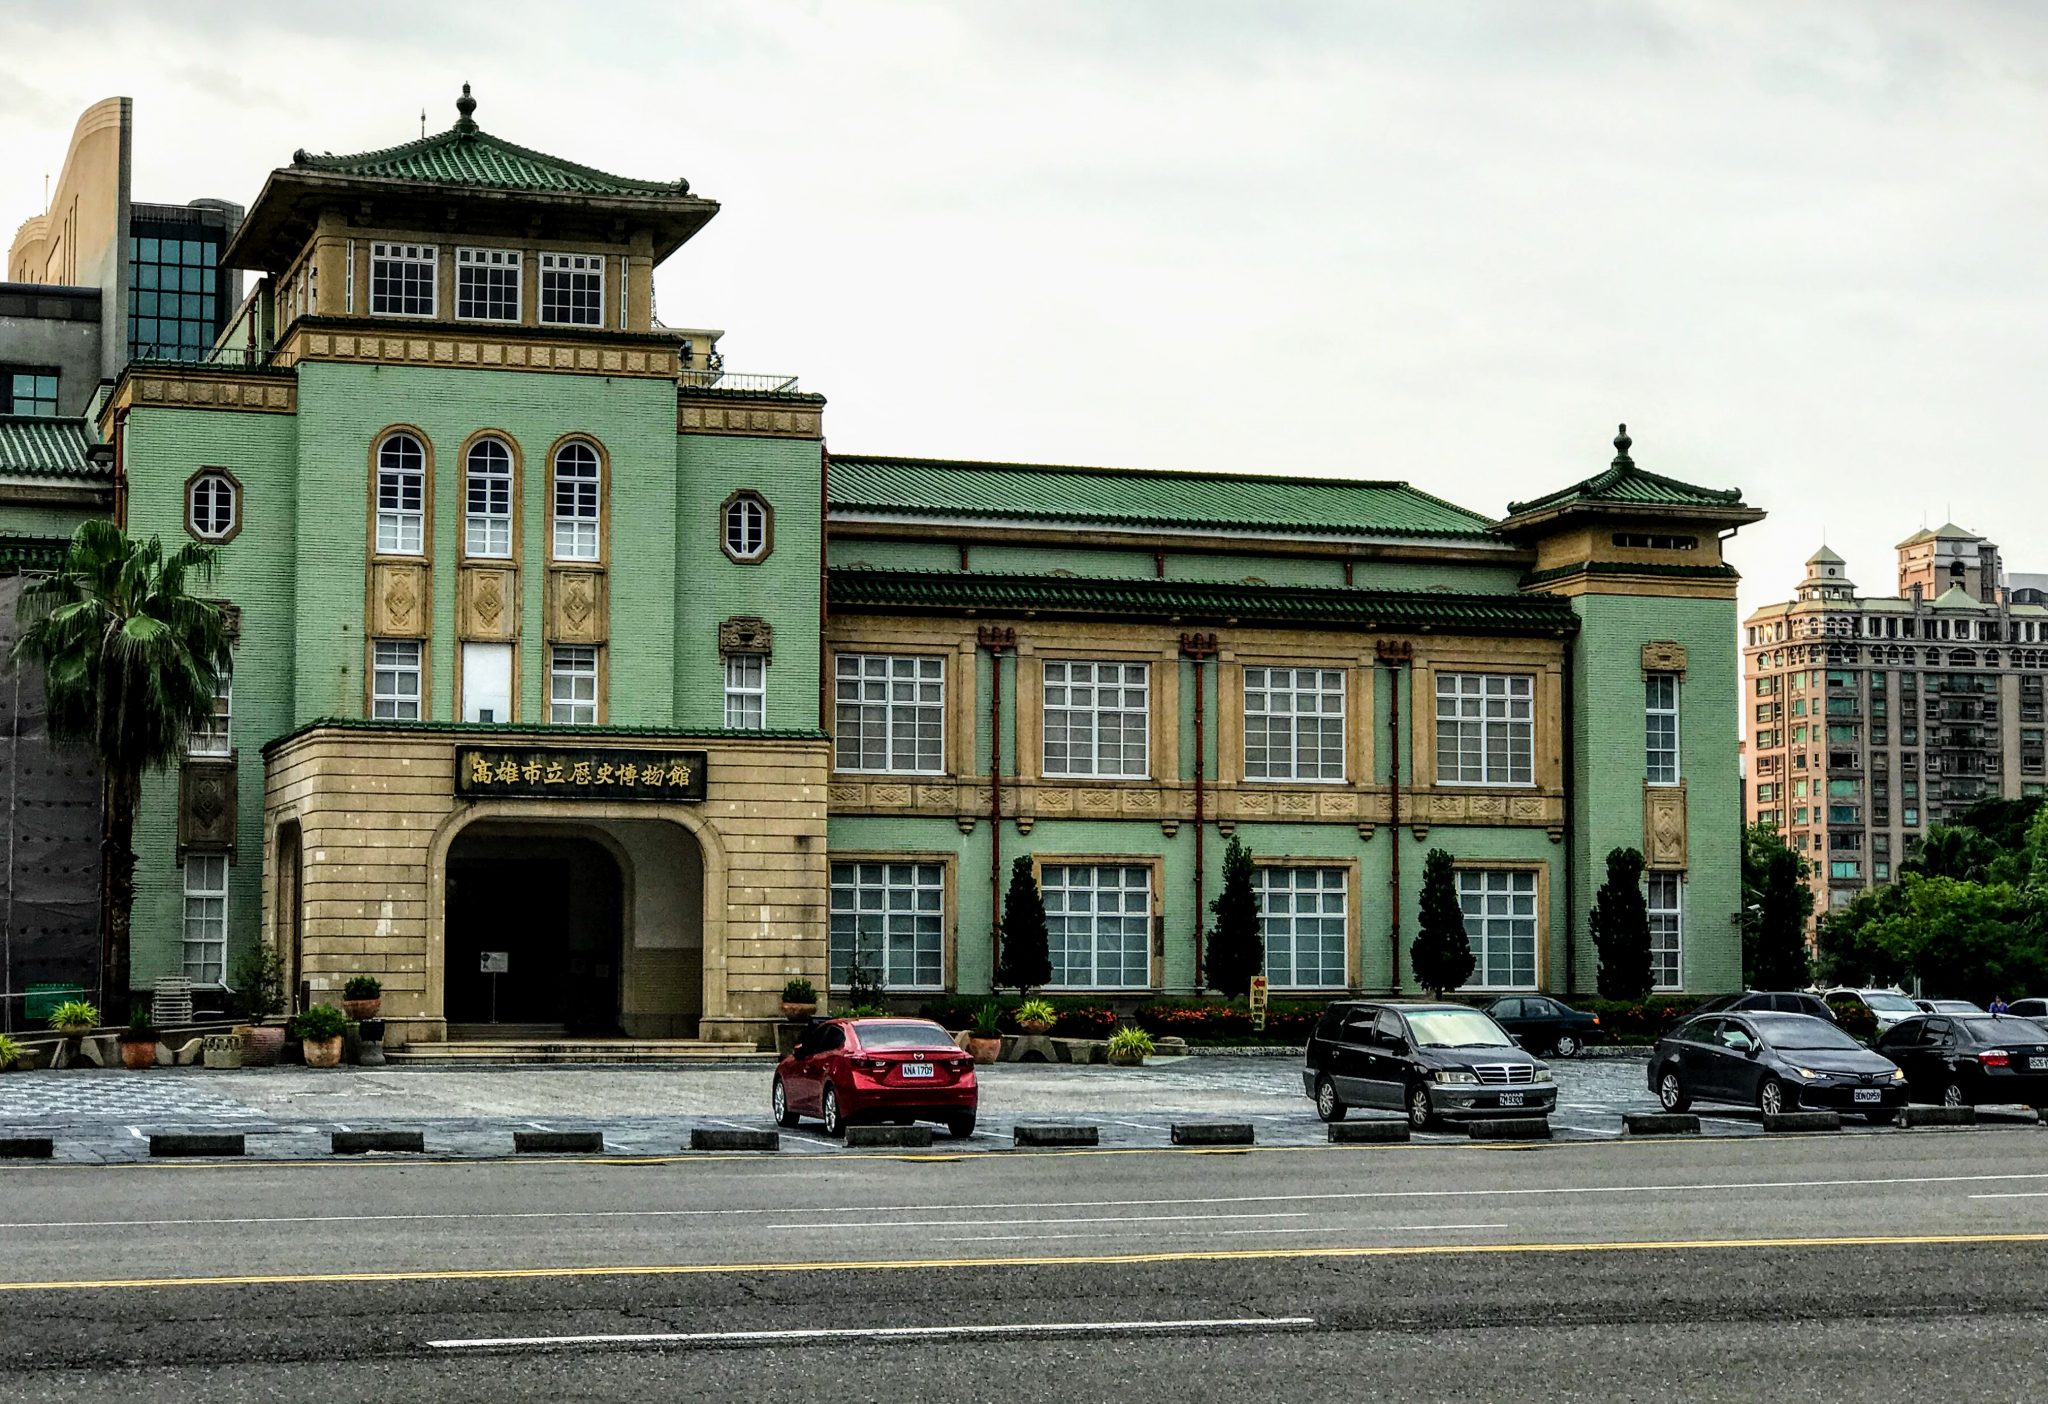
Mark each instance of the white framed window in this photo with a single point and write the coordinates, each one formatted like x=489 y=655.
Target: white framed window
x=206 y=918
x=1098 y=919
x=487 y=285
x=213 y=506
x=1294 y=724
x=746 y=691
x=487 y=682
x=487 y=496
x=1666 y=899
x=572 y=289
x=1304 y=921
x=578 y=492
x=404 y=279
x=746 y=527
x=1098 y=719
x=1500 y=923
x=892 y=918
x=213 y=737
x=572 y=685
x=401 y=496
x=395 y=679
x=891 y=713
x=1485 y=729
x=1660 y=728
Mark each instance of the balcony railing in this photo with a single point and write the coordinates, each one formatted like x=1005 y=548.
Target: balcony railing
x=739 y=381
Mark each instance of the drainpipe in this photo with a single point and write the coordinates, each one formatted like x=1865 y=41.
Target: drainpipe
x=826 y=717
x=1571 y=892
x=1196 y=648
x=121 y=468
x=997 y=642
x=1394 y=654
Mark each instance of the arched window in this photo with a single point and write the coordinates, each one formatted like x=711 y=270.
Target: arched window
x=401 y=496
x=488 y=498
x=746 y=527
x=576 y=502
x=213 y=505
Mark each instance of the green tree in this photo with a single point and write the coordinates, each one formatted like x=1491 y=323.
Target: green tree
x=1951 y=851
x=1776 y=903
x=1621 y=928
x=1026 y=958
x=130 y=657
x=1237 y=951
x=1441 y=953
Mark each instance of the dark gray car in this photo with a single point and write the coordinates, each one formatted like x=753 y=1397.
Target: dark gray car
x=1775 y=1063
x=1431 y=1061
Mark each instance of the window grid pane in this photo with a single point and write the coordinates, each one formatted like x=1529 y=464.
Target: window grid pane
x=572 y=686
x=212 y=506
x=1485 y=729
x=402 y=279
x=890 y=713
x=1666 y=899
x=212 y=736
x=1500 y=922
x=576 y=503
x=746 y=691
x=1099 y=924
x=395 y=680
x=1303 y=918
x=487 y=285
x=401 y=496
x=1294 y=724
x=746 y=528
x=892 y=916
x=488 y=524
x=1660 y=728
x=206 y=919
x=1098 y=719
x=572 y=289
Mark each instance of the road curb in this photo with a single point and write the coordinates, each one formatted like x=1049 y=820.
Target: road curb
x=1366 y=1133
x=176 y=1143
x=712 y=1138
x=1048 y=1135
x=27 y=1147
x=1660 y=1123
x=905 y=1137
x=1212 y=1133
x=1517 y=1128
x=1804 y=1121
x=543 y=1142
x=1938 y=1116
x=363 y=1142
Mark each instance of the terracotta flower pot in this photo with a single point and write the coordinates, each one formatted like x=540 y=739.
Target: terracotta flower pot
x=1131 y=1059
x=985 y=1050
x=74 y=1030
x=323 y=1052
x=361 y=1009
x=262 y=1045
x=1035 y=1027
x=137 y=1056
x=792 y=1010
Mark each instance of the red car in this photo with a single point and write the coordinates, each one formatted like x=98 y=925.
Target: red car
x=899 y=1070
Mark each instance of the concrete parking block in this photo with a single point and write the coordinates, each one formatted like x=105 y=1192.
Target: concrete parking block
x=1044 y=1135
x=168 y=1143
x=27 y=1147
x=362 y=1142
x=714 y=1138
x=908 y=1137
x=1804 y=1121
x=1361 y=1133
x=2009 y=1116
x=1510 y=1128
x=1938 y=1116
x=543 y=1142
x=1212 y=1133
x=1660 y=1123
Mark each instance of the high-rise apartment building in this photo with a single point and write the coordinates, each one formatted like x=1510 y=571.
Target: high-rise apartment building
x=1870 y=717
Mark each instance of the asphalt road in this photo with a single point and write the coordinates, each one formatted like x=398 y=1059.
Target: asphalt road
x=1784 y=1269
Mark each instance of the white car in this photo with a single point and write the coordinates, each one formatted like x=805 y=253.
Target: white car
x=1887 y=1006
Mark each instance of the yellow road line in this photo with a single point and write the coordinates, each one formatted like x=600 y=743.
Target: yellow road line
x=1216 y=1255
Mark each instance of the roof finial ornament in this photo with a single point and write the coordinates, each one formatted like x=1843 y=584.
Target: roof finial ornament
x=466 y=105
x=1621 y=443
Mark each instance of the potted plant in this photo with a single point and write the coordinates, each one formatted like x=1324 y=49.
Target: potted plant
x=362 y=997
x=138 y=1041
x=1128 y=1047
x=320 y=1029
x=74 y=1018
x=985 y=1040
x=259 y=993
x=10 y=1053
x=1036 y=1017
x=799 y=999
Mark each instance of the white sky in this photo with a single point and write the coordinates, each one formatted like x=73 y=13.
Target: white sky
x=1798 y=248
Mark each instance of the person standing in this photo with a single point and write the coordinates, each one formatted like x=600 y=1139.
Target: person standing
x=1998 y=1004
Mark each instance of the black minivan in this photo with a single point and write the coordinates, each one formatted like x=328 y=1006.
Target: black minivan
x=1432 y=1061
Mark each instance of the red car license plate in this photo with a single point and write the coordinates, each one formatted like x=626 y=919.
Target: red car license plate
x=917 y=1070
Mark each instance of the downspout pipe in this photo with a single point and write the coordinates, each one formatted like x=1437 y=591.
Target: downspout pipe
x=997 y=642
x=1394 y=653
x=1571 y=890
x=1197 y=648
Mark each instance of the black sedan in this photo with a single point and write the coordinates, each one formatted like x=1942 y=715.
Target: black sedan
x=1545 y=1025
x=1432 y=1061
x=1775 y=1063
x=1968 y=1059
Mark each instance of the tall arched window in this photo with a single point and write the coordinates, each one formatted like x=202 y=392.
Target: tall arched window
x=401 y=496
x=488 y=495
x=576 y=502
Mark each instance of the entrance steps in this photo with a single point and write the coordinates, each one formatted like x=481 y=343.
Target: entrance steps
x=561 y=1048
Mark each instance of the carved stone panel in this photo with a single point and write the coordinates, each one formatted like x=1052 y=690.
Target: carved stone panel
x=487 y=602
x=1664 y=826
x=577 y=606
x=1663 y=656
x=206 y=806
x=743 y=633
x=399 y=607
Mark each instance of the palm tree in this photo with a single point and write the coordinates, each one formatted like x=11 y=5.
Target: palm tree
x=130 y=660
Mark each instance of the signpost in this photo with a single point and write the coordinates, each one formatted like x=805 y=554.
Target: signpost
x=494 y=964
x=1259 y=1003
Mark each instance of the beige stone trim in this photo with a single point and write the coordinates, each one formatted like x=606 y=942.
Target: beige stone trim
x=486 y=347
x=762 y=419
x=200 y=389
x=1664 y=826
x=1664 y=656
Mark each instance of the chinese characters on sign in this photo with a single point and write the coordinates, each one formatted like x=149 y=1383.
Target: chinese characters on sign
x=546 y=772
x=1258 y=1003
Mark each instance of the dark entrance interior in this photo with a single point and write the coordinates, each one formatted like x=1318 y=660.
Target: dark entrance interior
x=551 y=910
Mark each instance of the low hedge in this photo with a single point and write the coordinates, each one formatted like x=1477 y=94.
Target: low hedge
x=1640 y=1020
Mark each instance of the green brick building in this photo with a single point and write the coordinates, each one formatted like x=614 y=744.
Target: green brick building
x=563 y=650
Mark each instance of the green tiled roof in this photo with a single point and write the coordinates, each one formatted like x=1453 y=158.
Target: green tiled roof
x=928 y=487
x=39 y=446
x=465 y=154
x=1197 y=601
x=1624 y=484
x=19 y=553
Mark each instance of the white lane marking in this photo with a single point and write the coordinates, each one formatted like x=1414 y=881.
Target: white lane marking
x=1218 y=1233
x=995 y=1223
x=1585 y=1130
x=2027 y=1194
x=885 y=1333
x=1180 y=1201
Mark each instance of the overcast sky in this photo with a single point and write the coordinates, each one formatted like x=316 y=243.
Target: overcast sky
x=1798 y=248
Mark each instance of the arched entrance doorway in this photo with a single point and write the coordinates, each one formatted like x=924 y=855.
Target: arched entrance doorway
x=535 y=931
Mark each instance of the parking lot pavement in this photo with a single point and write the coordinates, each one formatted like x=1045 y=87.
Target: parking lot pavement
x=107 y=1115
